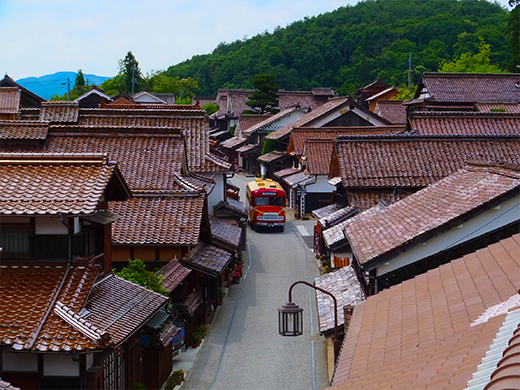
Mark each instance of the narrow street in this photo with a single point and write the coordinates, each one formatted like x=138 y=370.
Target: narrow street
x=243 y=349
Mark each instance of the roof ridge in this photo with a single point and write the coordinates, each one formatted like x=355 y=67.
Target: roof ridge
x=80 y=324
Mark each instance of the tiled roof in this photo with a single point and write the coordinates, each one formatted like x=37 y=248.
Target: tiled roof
x=268 y=122
x=347 y=290
x=301 y=134
x=9 y=82
x=334 y=236
x=505 y=107
x=319 y=156
x=208 y=259
x=17 y=130
x=7 y=386
x=298 y=177
x=249 y=148
x=272 y=156
x=213 y=164
x=190 y=304
x=418 y=335
x=171 y=220
x=248 y=120
x=460 y=123
x=51 y=184
x=234 y=206
x=190 y=119
x=306 y=119
x=372 y=233
x=173 y=273
x=323 y=212
x=323 y=92
x=286 y=172
x=233 y=142
x=120 y=307
x=57 y=111
x=232 y=102
x=167 y=332
x=147 y=162
x=400 y=161
x=337 y=216
x=364 y=199
x=225 y=231
x=472 y=87
x=392 y=110
x=9 y=100
x=27 y=294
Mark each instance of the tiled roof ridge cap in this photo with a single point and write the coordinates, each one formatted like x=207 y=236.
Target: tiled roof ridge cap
x=60 y=103
x=55 y=158
x=469 y=75
x=9 y=89
x=177 y=178
x=469 y=114
x=217 y=160
x=80 y=324
x=423 y=137
x=505 y=169
x=24 y=122
x=114 y=135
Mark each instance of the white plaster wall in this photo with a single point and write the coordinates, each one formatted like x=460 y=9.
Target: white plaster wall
x=49 y=225
x=217 y=195
x=321 y=185
x=12 y=361
x=508 y=212
x=59 y=365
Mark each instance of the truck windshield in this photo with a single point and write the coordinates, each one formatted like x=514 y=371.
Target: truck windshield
x=269 y=201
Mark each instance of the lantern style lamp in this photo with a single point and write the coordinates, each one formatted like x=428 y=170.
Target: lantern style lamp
x=290 y=317
x=290 y=320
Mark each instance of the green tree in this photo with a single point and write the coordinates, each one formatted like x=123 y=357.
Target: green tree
x=131 y=74
x=210 y=108
x=513 y=36
x=265 y=96
x=136 y=272
x=113 y=86
x=468 y=63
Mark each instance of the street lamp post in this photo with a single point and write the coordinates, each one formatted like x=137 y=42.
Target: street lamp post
x=290 y=317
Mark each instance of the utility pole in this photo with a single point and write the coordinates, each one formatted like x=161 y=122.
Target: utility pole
x=68 y=88
x=87 y=82
x=409 y=70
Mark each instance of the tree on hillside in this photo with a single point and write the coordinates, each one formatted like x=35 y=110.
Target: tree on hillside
x=159 y=82
x=79 y=88
x=265 y=96
x=131 y=74
x=468 y=63
x=513 y=35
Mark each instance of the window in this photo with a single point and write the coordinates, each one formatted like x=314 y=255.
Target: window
x=270 y=201
x=15 y=240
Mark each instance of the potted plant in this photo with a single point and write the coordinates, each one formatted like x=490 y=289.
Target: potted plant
x=178 y=377
x=197 y=338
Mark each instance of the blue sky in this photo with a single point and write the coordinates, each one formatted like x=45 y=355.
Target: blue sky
x=39 y=37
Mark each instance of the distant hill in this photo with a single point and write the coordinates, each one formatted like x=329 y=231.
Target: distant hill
x=49 y=85
x=350 y=47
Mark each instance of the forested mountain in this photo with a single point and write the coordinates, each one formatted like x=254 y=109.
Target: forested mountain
x=350 y=47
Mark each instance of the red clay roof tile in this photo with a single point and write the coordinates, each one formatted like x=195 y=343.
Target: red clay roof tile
x=428 y=340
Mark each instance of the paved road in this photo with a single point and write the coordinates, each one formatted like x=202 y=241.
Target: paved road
x=243 y=349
